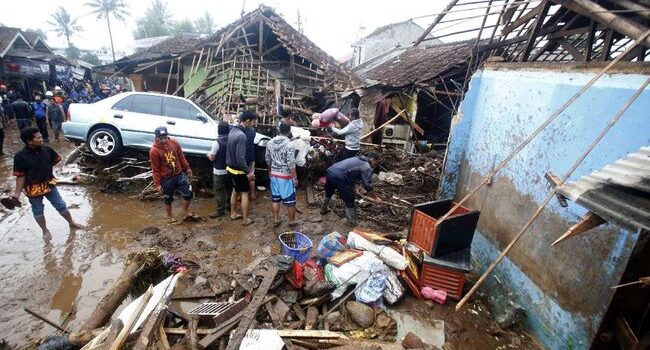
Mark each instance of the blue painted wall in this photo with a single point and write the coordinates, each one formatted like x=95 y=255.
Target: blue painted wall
x=564 y=289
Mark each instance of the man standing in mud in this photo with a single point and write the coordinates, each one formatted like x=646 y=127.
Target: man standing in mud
x=281 y=159
x=342 y=177
x=221 y=180
x=170 y=171
x=237 y=166
x=33 y=171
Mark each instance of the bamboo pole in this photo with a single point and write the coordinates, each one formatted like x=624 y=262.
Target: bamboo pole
x=382 y=125
x=551 y=194
x=169 y=76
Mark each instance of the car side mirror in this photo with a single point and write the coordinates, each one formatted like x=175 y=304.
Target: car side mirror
x=201 y=117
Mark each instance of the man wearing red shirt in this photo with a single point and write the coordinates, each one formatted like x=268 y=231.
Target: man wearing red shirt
x=170 y=171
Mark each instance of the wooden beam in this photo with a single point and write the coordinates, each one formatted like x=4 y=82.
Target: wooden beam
x=169 y=76
x=121 y=337
x=607 y=45
x=271 y=49
x=251 y=309
x=609 y=19
x=260 y=44
x=436 y=20
x=589 y=221
x=534 y=31
x=591 y=38
x=522 y=20
x=577 y=56
x=555 y=183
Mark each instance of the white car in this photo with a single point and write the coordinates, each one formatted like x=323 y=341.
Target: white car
x=129 y=120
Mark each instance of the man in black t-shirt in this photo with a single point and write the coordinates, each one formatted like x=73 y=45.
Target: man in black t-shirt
x=33 y=170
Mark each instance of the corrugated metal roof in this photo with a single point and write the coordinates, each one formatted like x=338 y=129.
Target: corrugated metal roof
x=619 y=192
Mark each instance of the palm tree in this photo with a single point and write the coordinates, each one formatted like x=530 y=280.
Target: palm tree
x=106 y=9
x=64 y=24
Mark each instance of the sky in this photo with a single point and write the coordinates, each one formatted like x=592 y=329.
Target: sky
x=333 y=25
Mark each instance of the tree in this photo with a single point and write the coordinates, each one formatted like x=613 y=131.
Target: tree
x=299 y=24
x=106 y=9
x=63 y=24
x=205 y=24
x=72 y=52
x=156 y=21
x=183 y=27
x=38 y=31
x=91 y=58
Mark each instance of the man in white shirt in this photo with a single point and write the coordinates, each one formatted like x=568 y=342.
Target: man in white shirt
x=352 y=133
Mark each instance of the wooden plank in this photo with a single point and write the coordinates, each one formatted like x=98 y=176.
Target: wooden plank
x=224 y=328
x=522 y=20
x=311 y=318
x=309 y=188
x=577 y=56
x=152 y=323
x=534 y=32
x=591 y=38
x=164 y=342
x=319 y=334
x=183 y=331
x=607 y=45
x=251 y=309
x=589 y=221
x=260 y=44
x=121 y=338
x=192 y=334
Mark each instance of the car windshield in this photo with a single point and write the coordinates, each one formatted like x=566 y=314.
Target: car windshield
x=205 y=111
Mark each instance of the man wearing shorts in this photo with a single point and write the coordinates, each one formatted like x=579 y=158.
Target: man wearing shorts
x=237 y=166
x=170 y=171
x=33 y=170
x=281 y=159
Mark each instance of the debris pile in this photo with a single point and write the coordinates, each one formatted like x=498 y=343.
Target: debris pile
x=402 y=180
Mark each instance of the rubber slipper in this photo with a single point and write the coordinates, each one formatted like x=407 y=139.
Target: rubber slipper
x=247 y=222
x=236 y=217
x=277 y=223
x=172 y=221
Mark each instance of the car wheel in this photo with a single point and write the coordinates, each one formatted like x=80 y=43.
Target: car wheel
x=105 y=143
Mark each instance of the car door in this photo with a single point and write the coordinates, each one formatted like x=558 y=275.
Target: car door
x=183 y=122
x=137 y=116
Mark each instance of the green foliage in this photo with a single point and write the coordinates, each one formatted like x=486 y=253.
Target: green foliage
x=184 y=26
x=205 y=24
x=106 y=8
x=72 y=52
x=91 y=58
x=63 y=24
x=156 y=21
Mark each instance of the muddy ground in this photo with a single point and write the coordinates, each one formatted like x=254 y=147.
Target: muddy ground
x=64 y=277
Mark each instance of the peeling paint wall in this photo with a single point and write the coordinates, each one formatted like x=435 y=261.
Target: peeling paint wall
x=564 y=289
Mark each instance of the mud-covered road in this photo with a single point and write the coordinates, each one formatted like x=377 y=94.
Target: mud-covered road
x=66 y=275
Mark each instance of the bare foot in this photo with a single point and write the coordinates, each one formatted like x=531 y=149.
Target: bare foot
x=47 y=235
x=76 y=226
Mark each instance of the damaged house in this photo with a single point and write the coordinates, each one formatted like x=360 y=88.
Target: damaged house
x=259 y=61
x=554 y=91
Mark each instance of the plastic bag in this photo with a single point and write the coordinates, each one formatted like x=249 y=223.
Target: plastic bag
x=371 y=291
x=353 y=272
x=330 y=244
x=385 y=253
x=394 y=290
